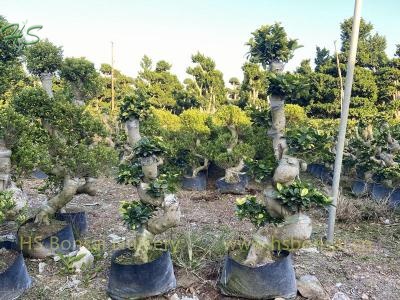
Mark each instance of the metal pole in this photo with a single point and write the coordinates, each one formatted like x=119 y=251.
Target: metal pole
x=343 y=118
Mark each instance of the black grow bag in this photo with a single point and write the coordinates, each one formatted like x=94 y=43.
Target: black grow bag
x=394 y=199
x=15 y=280
x=380 y=192
x=142 y=280
x=62 y=242
x=359 y=187
x=233 y=188
x=197 y=183
x=78 y=221
x=272 y=280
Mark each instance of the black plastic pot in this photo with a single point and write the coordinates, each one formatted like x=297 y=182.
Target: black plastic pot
x=78 y=221
x=233 y=188
x=141 y=281
x=394 y=199
x=359 y=187
x=380 y=192
x=198 y=183
x=315 y=169
x=214 y=172
x=15 y=280
x=273 y=280
x=62 y=242
x=39 y=174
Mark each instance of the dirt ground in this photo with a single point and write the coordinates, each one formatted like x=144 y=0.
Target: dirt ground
x=364 y=260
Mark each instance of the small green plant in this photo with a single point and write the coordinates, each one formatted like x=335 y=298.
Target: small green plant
x=68 y=262
x=135 y=106
x=149 y=147
x=130 y=173
x=136 y=213
x=165 y=183
x=249 y=208
x=6 y=204
x=300 y=196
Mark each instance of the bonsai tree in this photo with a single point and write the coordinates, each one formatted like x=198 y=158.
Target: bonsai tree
x=270 y=47
x=63 y=140
x=157 y=209
x=82 y=77
x=43 y=59
x=231 y=151
x=194 y=137
x=277 y=222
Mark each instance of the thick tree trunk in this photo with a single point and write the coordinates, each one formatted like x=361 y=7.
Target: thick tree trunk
x=88 y=187
x=232 y=174
x=142 y=246
x=201 y=168
x=277 y=131
x=47 y=83
x=57 y=202
x=132 y=130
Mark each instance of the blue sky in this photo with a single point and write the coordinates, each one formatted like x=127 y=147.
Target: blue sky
x=175 y=29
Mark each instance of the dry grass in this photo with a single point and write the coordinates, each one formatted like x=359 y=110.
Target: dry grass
x=353 y=210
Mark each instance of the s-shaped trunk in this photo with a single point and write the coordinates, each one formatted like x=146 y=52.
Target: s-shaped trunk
x=277 y=130
x=57 y=202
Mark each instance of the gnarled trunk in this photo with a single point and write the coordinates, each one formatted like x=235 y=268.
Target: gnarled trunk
x=5 y=166
x=70 y=187
x=232 y=174
x=196 y=171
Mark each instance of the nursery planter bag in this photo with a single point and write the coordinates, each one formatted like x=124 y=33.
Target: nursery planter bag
x=394 y=199
x=198 y=183
x=142 y=280
x=269 y=281
x=78 y=221
x=359 y=187
x=233 y=188
x=15 y=280
x=380 y=192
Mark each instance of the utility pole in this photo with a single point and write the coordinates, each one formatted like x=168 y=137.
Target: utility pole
x=112 y=78
x=343 y=119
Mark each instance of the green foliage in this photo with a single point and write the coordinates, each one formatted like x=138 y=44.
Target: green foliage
x=311 y=144
x=159 y=85
x=136 y=213
x=147 y=147
x=249 y=208
x=291 y=86
x=6 y=204
x=58 y=133
x=134 y=106
x=270 y=43
x=208 y=84
x=388 y=83
x=164 y=184
x=241 y=151
x=371 y=47
x=231 y=115
x=261 y=169
x=295 y=115
x=253 y=90
x=130 y=173
x=82 y=76
x=43 y=57
x=300 y=196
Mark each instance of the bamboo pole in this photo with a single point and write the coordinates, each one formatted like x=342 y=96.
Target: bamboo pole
x=343 y=118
